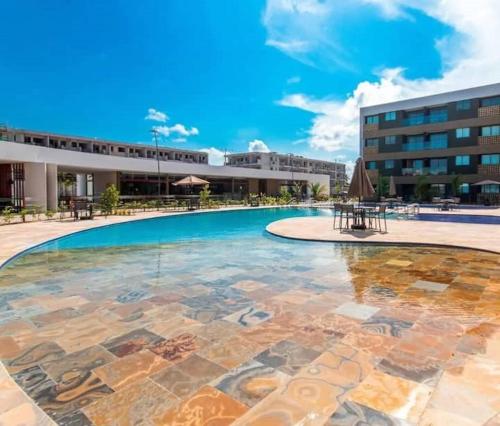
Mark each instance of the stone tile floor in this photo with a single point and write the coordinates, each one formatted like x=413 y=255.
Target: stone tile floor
x=252 y=332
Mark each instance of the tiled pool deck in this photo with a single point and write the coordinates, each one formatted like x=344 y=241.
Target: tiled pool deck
x=303 y=333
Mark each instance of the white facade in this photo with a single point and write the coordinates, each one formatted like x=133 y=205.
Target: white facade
x=41 y=164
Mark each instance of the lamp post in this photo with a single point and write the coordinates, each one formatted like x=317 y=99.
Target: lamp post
x=155 y=136
x=290 y=156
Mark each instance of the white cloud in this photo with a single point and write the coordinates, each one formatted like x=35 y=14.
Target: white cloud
x=470 y=57
x=178 y=129
x=293 y=80
x=156 y=115
x=215 y=156
x=257 y=146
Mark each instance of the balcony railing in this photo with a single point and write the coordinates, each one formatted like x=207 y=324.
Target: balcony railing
x=423 y=171
x=425 y=119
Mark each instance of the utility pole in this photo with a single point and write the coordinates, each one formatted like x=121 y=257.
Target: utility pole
x=155 y=136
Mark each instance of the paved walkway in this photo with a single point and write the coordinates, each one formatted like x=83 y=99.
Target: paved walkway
x=483 y=237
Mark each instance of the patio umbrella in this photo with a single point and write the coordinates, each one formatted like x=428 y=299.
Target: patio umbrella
x=486 y=182
x=360 y=184
x=190 y=181
x=392 y=187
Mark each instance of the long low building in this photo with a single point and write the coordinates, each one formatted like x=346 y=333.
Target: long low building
x=36 y=172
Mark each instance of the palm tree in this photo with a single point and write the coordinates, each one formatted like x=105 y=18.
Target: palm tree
x=317 y=190
x=422 y=188
x=455 y=185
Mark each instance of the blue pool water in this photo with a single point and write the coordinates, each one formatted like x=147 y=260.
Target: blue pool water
x=192 y=227
x=460 y=218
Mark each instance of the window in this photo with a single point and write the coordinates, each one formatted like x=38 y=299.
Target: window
x=371 y=165
x=464 y=105
x=490 y=188
x=438 y=115
x=371 y=142
x=390 y=116
x=415 y=118
x=390 y=140
x=389 y=164
x=489 y=159
x=490 y=101
x=464 y=132
x=462 y=160
x=438 y=141
x=372 y=119
x=438 y=166
x=490 y=131
x=464 y=188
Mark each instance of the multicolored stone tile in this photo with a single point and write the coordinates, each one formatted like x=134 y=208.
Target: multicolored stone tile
x=380 y=324
x=43 y=352
x=231 y=352
x=188 y=376
x=143 y=402
x=249 y=317
x=131 y=342
x=208 y=406
x=251 y=382
x=179 y=347
x=131 y=368
x=356 y=310
x=352 y=414
x=287 y=356
x=392 y=395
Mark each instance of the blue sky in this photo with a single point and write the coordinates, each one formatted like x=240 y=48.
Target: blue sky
x=230 y=72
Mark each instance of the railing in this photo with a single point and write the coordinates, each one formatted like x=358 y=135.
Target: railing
x=422 y=171
x=424 y=145
x=426 y=119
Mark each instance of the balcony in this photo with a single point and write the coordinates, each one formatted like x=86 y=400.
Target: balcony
x=488 y=140
x=488 y=169
x=489 y=111
x=425 y=145
x=424 y=171
x=426 y=119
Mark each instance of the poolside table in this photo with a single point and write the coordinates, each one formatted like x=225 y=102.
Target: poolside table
x=360 y=217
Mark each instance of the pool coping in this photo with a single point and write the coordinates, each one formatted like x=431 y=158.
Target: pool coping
x=270 y=228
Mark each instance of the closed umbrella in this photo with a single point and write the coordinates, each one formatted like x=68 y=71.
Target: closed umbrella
x=360 y=184
x=392 y=187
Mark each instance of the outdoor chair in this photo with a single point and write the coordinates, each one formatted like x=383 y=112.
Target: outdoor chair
x=375 y=218
x=347 y=212
x=337 y=211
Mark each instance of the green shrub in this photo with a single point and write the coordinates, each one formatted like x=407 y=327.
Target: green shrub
x=109 y=200
x=8 y=214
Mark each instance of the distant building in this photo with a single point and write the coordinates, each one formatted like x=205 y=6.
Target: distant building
x=43 y=169
x=440 y=137
x=292 y=164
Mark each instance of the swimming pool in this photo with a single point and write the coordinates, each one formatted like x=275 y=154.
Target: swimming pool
x=459 y=218
x=161 y=320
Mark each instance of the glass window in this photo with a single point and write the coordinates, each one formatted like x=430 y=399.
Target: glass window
x=390 y=140
x=462 y=160
x=464 y=105
x=371 y=142
x=372 y=119
x=371 y=165
x=438 y=141
x=390 y=116
x=490 y=101
x=438 y=115
x=491 y=188
x=438 y=166
x=389 y=164
x=464 y=188
x=462 y=133
x=489 y=159
x=415 y=118
x=490 y=131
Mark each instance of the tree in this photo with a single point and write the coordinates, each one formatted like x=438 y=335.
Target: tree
x=205 y=195
x=285 y=196
x=317 y=191
x=297 y=190
x=109 y=200
x=422 y=189
x=456 y=182
x=382 y=186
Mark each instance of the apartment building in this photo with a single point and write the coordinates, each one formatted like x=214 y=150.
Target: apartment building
x=99 y=146
x=45 y=169
x=292 y=164
x=440 y=137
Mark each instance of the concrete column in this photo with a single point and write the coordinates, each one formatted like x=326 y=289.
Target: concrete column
x=103 y=179
x=52 y=189
x=35 y=184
